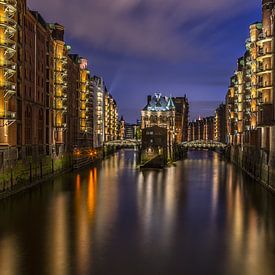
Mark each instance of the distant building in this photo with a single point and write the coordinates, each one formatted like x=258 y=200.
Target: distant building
x=130 y=131
x=122 y=128
x=99 y=93
x=111 y=127
x=105 y=119
x=201 y=129
x=139 y=122
x=138 y=130
x=220 y=124
x=160 y=111
x=79 y=104
x=208 y=128
x=181 y=119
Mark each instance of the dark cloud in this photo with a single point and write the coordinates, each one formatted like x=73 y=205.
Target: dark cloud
x=157 y=28
x=144 y=46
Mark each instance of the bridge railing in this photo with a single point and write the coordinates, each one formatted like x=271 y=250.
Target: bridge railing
x=203 y=144
x=128 y=142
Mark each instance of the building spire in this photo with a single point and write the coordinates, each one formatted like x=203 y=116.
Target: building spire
x=170 y=104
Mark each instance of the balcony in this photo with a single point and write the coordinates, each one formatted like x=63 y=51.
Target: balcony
x=248 y=85
x=7 y=118
x=266 y=115
x=9 y=69
x=8 y=115
x=264 y=86
x=261 y=52
x=89 y=104
x=248 y=73
x=9 y=47
x=8 y=3
x=261 y=70
x=60 y=127
x=59 y=108
x=61 y=84
x=248 y=43
x=9 y=89
x=61 y=96
x=263 y=39
x=8 y=22
x=63 y=73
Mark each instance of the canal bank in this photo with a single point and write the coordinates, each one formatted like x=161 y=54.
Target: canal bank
x=258 y=164
x=17 y=175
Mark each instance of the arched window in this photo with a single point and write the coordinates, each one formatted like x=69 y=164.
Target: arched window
x=154 y=119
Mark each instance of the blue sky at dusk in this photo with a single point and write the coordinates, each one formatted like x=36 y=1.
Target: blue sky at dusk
x=174 y=47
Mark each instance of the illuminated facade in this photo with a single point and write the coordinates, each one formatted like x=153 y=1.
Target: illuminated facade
x=85 y=105
x=130 y=131
x=250 y=98
x=201 y=129
x=110 y=118
x=106 y=123
x=160 y=111
x=99 y=105
x=122 y=128
x=25 y=122
x=49 y=104
x=60 y=88
x=73 y=118
x=34 y=127
x=9 y=17
x=208 y=128
x=231 y=112
x=242 y=102
x=80 y=105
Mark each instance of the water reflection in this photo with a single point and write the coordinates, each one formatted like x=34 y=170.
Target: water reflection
x=201 y=216
x=8 y=257
x=57 y=243
x=157 y=193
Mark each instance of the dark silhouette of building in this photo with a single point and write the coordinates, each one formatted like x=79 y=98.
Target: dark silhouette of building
x=220 y=124
x=181 y=118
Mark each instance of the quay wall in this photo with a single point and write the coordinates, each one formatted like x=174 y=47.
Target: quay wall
x=259 y=164
x=18 y=174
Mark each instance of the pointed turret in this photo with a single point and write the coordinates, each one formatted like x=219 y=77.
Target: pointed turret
x=170 y=104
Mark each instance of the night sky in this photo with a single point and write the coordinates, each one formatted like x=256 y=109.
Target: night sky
x=140 y=47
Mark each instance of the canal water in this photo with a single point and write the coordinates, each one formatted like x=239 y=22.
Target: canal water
x=201 y=216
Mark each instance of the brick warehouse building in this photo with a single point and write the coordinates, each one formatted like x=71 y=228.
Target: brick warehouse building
x=181 y=118
x=47 y=100
x=250 y=98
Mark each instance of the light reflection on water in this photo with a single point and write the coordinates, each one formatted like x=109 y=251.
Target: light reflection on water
x=200 y=216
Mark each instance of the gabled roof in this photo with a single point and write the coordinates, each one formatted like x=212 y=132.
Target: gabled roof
x=159 y=103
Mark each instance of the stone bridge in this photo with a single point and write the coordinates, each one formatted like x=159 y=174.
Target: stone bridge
x=203 y=144
x=128 y=143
